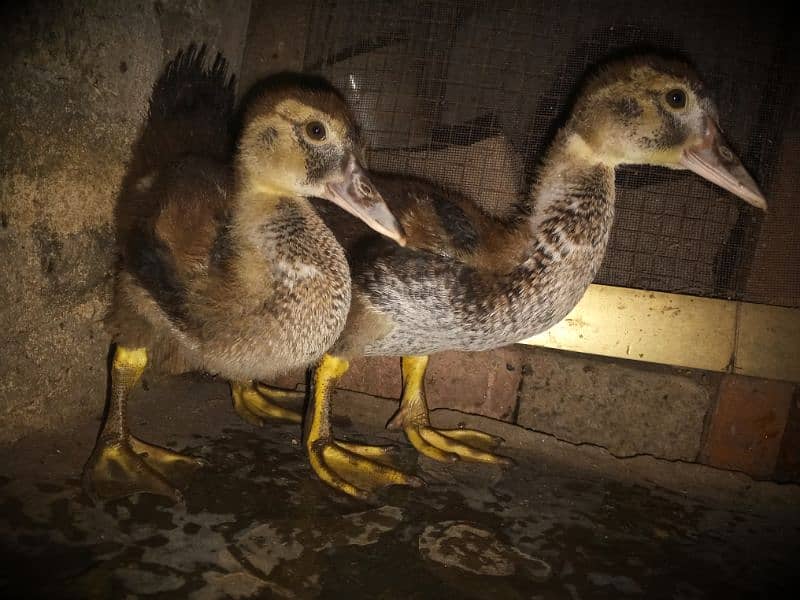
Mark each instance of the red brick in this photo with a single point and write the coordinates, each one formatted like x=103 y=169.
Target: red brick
x=378 y=376
x=290 y=381
x=375 y=375
x=747 y=425
x=484 y=383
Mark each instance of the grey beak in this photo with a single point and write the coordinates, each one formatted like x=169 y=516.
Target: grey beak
x=714 y=161
x=356 y=194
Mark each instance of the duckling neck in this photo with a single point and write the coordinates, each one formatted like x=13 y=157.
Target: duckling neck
x=287 y=268
x=283 y=234
x=573 y=210
x=572 y=206
x=575 y=189
x=253 y=208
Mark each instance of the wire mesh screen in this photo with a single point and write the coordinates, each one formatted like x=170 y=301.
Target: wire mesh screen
x=469 y=94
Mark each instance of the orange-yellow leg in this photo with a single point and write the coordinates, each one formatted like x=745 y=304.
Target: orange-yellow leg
x=121 y=464
x=256 y=402
x=355 y=469
x=444 y=445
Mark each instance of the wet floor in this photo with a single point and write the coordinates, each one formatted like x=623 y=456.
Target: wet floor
x=566 y=522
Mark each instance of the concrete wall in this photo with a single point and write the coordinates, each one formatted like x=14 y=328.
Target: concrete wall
x=74 y=87
x=276 y=39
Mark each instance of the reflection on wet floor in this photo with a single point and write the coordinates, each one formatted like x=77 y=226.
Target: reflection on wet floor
x=256 y=521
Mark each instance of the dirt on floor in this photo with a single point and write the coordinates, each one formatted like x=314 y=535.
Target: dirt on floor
x=567 y=521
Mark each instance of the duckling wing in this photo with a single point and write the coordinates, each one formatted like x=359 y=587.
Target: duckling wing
x=435 y=220
x=171 y=209
x=189 y=113
x=178 y=233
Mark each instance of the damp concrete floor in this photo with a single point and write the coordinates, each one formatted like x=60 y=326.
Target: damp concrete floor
x=567 y=521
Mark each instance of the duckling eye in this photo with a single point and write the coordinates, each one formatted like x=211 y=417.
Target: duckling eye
x=676 y=98
x=316 y=131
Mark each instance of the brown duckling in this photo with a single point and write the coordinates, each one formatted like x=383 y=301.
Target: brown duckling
x=467 y=281
x=224 y=265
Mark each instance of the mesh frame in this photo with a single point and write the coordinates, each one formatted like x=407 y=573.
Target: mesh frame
x=427 y=76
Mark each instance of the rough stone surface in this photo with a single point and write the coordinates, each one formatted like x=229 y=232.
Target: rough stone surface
x=628 y=408
x=74 y=86
x=276 y=39
x=748 y=424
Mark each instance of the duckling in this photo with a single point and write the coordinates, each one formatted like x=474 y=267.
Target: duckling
x=224 y=265
x=467 y=281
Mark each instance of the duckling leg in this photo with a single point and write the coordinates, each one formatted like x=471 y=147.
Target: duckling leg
x=445 y=445
x=256 y=402
x=354 y=469
x=120 y=464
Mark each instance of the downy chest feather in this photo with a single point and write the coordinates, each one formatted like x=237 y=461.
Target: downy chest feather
x=298 y=265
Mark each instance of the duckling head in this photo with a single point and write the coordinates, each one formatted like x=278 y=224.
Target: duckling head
x=299 y=140
x=652 y=110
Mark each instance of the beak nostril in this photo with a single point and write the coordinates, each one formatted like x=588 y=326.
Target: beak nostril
x=364 y=188
x=726 y=154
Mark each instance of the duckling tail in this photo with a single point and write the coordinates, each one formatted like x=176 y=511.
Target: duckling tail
x=190 y=113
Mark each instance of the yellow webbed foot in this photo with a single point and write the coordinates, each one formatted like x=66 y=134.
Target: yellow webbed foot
x=355 y=469
x=256 y=403
x=448 y=445
x=120 y=468
x=120 y=464
x=445 y=445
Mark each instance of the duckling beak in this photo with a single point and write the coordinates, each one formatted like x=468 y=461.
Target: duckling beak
x=714 y=161
x=356 y=194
